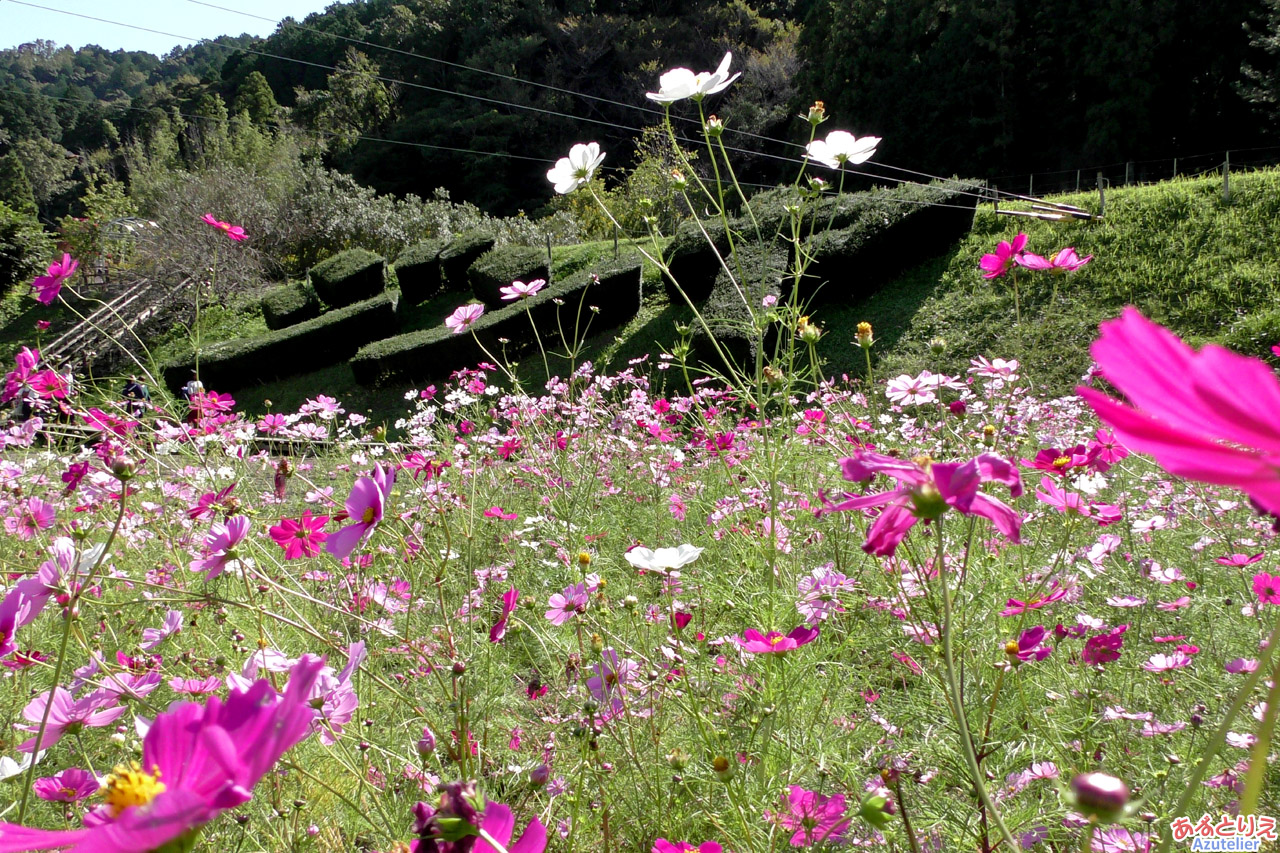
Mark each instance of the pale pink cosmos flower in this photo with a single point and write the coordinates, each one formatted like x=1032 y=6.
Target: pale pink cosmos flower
x=565 y=605
x=365 y=506
x=520 y=290
x=464 y=317
x=1239 y=665
x=152 y=637
x=48 y=286
x=1164 y=663
x=925 y=491
x=220 y=546
x=67 y=715
x=1205 y=415
x=33 y=515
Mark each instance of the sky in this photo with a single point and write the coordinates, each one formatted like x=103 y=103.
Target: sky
x=185 y=20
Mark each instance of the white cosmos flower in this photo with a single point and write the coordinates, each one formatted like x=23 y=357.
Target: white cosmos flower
x=680 y=83
x=662 y=560
x=842 y=147
x=575 y=170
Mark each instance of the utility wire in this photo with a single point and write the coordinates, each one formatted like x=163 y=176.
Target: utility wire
x=982 y=196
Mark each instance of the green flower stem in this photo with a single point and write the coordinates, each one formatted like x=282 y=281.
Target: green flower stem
x=1192 y=785
x=957 y=706
x=1256 y=779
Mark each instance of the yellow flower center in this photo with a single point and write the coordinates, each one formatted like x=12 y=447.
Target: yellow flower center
x=1062 y=462
x=131 y=786
x=773 y=641
x=368 y=516
x=1011 y=647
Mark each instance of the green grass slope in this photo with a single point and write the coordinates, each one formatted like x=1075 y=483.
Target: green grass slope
x=1208 y=269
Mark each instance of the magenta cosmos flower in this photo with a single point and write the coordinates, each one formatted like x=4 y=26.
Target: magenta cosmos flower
x=69 y=786
x=463 y=822
x=197 y=761
x=1267 y=588
x=662 y=845
x=1206 y=415
x=774 y=643
x=520 y=290
x=565 y=605
x=1004 y=258
x=365 y=507
x=300 y=538
x=813 y=816
x=464 y=317
x=1064 y=261
x=235 y=232
x=32 y=516
x=926 y=490
x=48 y=286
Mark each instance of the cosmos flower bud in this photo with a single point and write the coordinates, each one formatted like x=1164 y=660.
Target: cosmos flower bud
x=678 y=759
x=723 y=769
x=1100 y=797
x=427 y=743
x=540 y=775
x=817 y=114
x=714 y=127
x=937 y=346
x=808 y=332
x=865 y=337
x=678 y=181
x=123 y=468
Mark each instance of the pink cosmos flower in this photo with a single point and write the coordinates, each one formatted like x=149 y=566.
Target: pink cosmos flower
x=1267 y=588
x=152 y=637
x=499 y=629
x=565 y=605
x=220 y=546
x=1006 y=255
x=300 y=538
x=195 y=686
x=499 y=512
x=1064 y=261
x=520 y=290
x=464 y=317
x=814 y=817
x=65 y=716
x=774 y=643
x=235 y=232
x=1205 y=415
x=1239 y=665
x=1060 y=499
x=69 y=786
x=197 y=762
x=33 y=515
x=48 y=286
x=662 y=845
x=1239 y=559
x=926 y=490
x=365 y=507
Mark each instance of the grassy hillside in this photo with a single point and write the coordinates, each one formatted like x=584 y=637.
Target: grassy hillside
x=1208 y=269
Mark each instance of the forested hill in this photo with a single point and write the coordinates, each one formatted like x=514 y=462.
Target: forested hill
x=980 y=87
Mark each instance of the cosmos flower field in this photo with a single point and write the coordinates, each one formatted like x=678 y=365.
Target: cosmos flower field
x=651 y=610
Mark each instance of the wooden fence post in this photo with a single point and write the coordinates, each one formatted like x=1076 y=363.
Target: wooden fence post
x=1226 y=178
x=1102 y=196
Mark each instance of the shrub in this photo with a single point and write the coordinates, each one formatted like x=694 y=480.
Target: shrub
x=500 y=266
x=317 y=343
x=418 y=271
x=459 y=255
x=437 y=352
x=24 y=248
x=695 y=260
x=885 y=233
x=349 y=277
x=759 y=269
x=288 y=304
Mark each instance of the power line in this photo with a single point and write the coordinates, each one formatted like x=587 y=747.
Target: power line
x=792 y=160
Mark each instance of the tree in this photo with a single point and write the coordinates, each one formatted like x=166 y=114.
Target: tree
x=15 y=188
x=1261 y=86
x=256 y=98
x=24 y=247
x=356 y=102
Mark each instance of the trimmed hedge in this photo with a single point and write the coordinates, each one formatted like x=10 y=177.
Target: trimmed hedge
x=695 y=265
x=326 y=340
x=437 y=352
x=500 y=266
x=289 y=304
x=889 y=232
x=459 y=255
x=759 y=270
x=349 y=277
x=418 y=270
